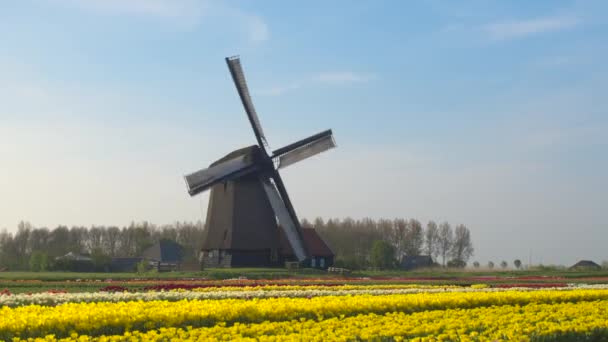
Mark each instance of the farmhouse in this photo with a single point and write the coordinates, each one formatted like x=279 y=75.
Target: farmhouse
x=164 y=255
x=585 y=265
x=321 y=256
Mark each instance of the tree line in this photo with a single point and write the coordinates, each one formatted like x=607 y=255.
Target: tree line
x=356 y=243
x=36 y=248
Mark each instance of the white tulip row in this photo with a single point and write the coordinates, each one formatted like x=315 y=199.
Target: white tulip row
x=52 y=299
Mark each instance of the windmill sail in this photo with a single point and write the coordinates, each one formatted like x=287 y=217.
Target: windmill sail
x=305 y=148
x=285 y=219
x=236 y=70
x=204 y=179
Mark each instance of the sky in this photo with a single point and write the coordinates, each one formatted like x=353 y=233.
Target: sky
x=491 y=114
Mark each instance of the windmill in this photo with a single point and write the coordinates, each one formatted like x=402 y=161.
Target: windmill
x=249 y=212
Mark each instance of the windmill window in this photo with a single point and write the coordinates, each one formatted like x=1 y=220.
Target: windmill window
x=322 y=262
x=312 y=263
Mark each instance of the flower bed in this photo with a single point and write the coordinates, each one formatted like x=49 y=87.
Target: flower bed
x=546 y=322
x=100 y=318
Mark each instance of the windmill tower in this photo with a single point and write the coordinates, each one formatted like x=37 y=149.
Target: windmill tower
x=249 y=211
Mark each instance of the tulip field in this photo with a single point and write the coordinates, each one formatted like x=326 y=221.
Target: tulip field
x=310 y=310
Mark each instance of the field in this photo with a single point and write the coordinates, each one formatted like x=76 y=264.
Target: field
x=287 y=306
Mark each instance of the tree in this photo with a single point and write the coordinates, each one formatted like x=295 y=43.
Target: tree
x=462 y=246
x=382 y=254
x=58 y=242
x=398 y=232
x=431 y=239
x=503 y=264
x=111 y=239
x=476 y=264
x=38 y=261
x=414 y=238
x=517 y=263
x=490 y=264
x=101 y=261
x=445 y=241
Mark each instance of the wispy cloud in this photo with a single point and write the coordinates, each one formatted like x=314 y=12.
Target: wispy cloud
x=523 y=28
x=183 y=13
x=258 y=29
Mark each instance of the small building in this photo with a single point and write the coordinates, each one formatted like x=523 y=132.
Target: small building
x=75 y=262
x=321 y=256
x=75 y=257
x=165 y=255
x=416 y=261
x=586 y=265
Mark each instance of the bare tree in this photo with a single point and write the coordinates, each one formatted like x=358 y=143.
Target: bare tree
x=490 y=264
x=504 y=264
x=462 y=246
x=111 y=240
x=414 y=238
x=399 y=232
x=445 y=241
x=95 y=239
x=431 y=239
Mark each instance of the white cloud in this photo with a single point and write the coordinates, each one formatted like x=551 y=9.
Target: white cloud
x=523 y=28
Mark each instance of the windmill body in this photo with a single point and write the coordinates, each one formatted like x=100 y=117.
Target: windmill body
x=250 y=219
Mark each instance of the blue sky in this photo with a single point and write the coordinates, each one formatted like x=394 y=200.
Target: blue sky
x=487 y=113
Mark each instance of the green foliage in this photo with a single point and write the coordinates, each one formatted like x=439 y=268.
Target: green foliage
x=382 y=254
x=548 y=268
x=351 y=262
x=101 y=261
x=38 y=262
x=142 y=267
x=455 y=263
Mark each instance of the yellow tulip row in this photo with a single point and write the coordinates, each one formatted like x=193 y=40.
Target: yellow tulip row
x=546 y=322
x=116 y=318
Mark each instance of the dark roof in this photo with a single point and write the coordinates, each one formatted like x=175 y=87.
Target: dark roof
x=315 y=245
x=586 y=264
x=164 y=251
x=414 y=261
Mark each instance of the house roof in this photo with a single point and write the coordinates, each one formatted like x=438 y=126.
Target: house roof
x=586 y=264
x=164 y=251
x=315 y=245
x=75 y=256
